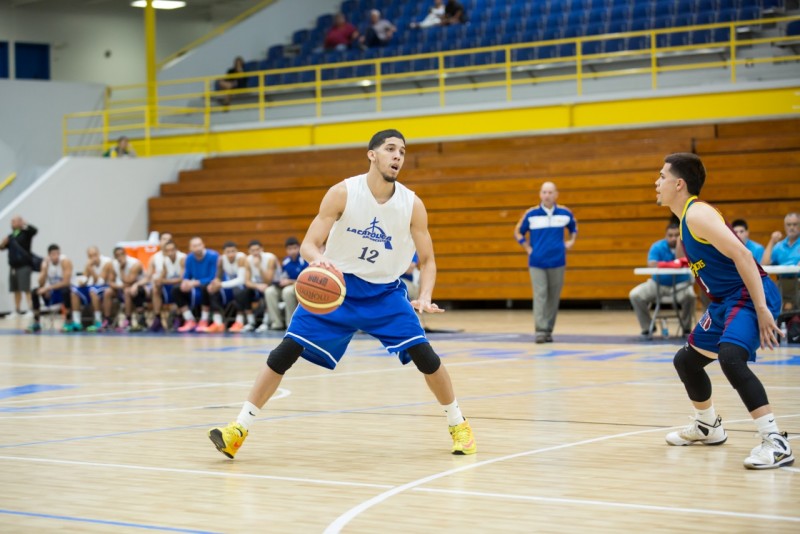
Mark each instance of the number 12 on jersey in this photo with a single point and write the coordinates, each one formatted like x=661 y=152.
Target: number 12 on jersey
x=368 y=254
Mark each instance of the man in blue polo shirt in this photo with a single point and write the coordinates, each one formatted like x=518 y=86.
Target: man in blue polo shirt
x=740 y=227
x=786 y=252
x=547 y=255
x=662 y=254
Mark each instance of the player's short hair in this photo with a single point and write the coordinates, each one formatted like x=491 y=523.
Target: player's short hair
x=739 y=222
x=170 y=242
x=673 y=225
x=379 y=138
x=53 y=247
x=253 y=243
x=228 y=244
x=291 y=241
x=689 y=168
x=117 y=249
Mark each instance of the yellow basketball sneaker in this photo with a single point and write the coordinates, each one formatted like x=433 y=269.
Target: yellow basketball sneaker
x=227 y=440
x=463 y=440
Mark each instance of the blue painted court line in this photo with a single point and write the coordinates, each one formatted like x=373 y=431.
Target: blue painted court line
x=71 y=404
x=331 y=412
x=30 y=389
x=105 y=522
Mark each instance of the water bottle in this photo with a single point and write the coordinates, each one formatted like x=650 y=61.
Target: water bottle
x=664 y=328
x=784 y=335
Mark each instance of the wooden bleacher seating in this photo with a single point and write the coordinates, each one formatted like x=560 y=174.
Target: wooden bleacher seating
x=476 y=190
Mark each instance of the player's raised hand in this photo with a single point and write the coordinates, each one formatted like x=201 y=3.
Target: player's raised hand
x=324 y=262
x=426 y=306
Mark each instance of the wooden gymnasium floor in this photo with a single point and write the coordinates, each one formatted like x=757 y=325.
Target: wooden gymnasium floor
x=108 y=433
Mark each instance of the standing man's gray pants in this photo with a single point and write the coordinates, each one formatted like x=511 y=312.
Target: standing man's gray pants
x=547 y=284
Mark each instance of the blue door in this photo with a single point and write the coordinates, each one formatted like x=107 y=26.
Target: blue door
x=32 y=61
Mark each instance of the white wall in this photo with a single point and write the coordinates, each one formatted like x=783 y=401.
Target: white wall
x=89 y=201
x=8 y=162
x=79 y=39
x=31 y=113
x=251 y=38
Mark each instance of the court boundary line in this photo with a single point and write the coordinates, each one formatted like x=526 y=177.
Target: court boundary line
x=107 y=522
x=344 y=519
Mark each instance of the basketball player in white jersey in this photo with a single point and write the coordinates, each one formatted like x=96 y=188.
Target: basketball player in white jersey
x=368 y=227
x=172 y=262
x=126 y=272
x=231 y=268
x=262 y=270
x=90 y=289
x=156 y=262
x=55 y=279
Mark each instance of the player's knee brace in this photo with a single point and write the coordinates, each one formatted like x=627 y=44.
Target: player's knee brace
x=733 y=361
x=424 y=357
x=284 y=355
x=690 y=364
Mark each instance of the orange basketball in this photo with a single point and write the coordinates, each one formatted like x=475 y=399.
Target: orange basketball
x=320 y=290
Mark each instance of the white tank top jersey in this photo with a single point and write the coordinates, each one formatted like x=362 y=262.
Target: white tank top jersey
x=98 y=271
x=257 y=266
x=55 y=271
x=129 y=264
x=230 y=269
x=370 y=240
x=172 y=268
x=157 y=262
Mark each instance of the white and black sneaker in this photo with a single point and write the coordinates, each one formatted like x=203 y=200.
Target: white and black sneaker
x=773 y=452
x=699 y=432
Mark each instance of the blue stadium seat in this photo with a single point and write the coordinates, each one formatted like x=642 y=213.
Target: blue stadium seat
x=749 y=13
x=596 y=17
x=300 y=36
x=614 y=45
x=573 y=32
x=566 y=50
x=365 y=71
x=546 y=52
x=638 y=43
x=685 y=6
x=597 y=4
x=596 y=29
x=620 y=13
x=523 y=54
x=619 y=26
x=723 y=5
x=641 y=11
x=772 y=5
x=638 y=25
x=684 y=19
x=727 y=16
x=663 y=8
x=701 y=37
x=705 y=5
x=576 y=19
x=721 y=35
x=708 y=17
x=793 y=28
x=592 y=47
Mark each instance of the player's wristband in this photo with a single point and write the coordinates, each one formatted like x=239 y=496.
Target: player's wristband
x=521 y=240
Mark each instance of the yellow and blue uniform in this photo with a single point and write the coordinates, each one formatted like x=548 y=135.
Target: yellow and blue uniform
x=731 y=316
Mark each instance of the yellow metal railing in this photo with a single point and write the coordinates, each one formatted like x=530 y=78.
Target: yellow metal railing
x=192 y=101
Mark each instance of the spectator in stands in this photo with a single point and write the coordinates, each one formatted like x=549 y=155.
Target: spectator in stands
x=410 y=278
x=291 y=267
x=454 y=13
x=200 y=270
x=434 y=16
x=379 y=33
x=234 y=82
x=55 y=279
x=341 y=35
x=547 y=255
x=263 y=271
x=168 y=276
x=20 y=259
x=740 y=227
x=666 y=253
x=786 y=252
x=122 y=150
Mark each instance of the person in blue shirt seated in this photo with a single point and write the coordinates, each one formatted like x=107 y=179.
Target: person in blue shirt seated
x=786 y=251
x=293 y=264
x=664 y=253
x=547 y=255
x=200 y=269
x=740 y=227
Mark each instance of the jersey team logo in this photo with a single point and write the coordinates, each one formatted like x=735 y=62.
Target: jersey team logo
x=705 y=321
x=375 y=233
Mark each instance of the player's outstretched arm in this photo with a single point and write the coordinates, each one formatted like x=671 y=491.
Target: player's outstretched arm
x=427 y=263
x=706 y=223
x=330 y=209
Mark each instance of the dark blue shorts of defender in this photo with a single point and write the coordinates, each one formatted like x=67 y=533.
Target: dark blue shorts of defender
x=734 y=320
x=381 y=310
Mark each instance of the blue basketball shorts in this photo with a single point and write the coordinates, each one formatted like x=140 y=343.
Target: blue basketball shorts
x=85 y=293
x=734 y=320
x=166 y=294
x=381 y=310
x=226 y=293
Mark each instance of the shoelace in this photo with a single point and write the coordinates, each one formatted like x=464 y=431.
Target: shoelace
x=461 y=434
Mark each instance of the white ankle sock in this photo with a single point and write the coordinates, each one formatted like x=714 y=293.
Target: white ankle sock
x=218 y=318
x=251 y=319
x=76 y=317
x=766 y=424
x=98 y=317
x=187 y=315
x=453 y=412
x=239 y=318
x=204 y=315
x=708 y=416
x=248 y=415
